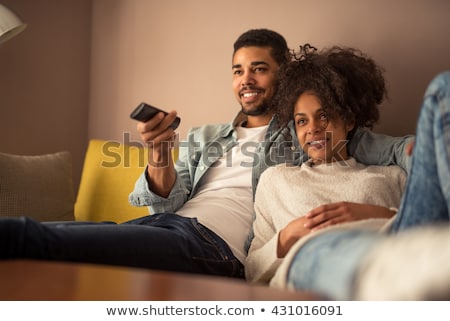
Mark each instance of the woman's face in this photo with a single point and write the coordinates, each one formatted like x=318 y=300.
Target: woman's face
x=322 y=138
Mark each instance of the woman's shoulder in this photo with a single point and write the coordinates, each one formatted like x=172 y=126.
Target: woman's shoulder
x=386 y=169
x=282 y=168
x=279 y=172
x=393 y=175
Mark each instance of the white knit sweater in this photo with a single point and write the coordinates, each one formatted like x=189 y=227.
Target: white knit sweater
x=285 y=193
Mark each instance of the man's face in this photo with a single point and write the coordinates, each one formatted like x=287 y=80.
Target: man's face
x=254 y=72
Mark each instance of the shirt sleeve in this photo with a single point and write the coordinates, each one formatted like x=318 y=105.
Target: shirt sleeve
x=142 y=195
x=372 y=148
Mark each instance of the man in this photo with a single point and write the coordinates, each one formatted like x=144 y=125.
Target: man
x=201 y=186
x=203 y=204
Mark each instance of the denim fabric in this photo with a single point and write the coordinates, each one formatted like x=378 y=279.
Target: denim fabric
x=160 y=241
x=427 y=195
x=203 y=146
x=326 y=264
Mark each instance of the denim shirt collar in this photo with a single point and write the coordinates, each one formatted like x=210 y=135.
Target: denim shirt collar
x=241 y=119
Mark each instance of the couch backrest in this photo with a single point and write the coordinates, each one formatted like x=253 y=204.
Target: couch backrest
x=109 y=173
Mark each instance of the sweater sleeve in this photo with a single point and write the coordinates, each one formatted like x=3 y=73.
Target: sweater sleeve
x=262 y=261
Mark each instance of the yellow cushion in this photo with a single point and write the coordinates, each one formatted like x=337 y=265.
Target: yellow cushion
x=109 y=173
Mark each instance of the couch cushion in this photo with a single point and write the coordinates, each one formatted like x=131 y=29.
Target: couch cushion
x=39 y=186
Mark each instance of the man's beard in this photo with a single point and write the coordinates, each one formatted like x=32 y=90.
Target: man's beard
x=259 y=110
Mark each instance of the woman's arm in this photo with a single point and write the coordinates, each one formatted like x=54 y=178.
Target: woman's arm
x=262 y=261
x=342 y=212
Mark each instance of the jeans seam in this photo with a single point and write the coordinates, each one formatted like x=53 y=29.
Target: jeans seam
x=210 y=237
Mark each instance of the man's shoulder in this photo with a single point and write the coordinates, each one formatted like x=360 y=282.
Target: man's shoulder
x=218 y=126
x=211 y=130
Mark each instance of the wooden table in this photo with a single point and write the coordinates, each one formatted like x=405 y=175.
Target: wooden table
x=53 y=281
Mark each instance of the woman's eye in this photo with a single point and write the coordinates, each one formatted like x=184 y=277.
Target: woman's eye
x=301 y=122
x=323 y=120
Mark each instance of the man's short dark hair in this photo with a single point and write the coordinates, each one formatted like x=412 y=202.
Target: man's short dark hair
x=265 y=38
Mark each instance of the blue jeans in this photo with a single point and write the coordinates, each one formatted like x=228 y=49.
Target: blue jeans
x=327 y=263
x=160 y=241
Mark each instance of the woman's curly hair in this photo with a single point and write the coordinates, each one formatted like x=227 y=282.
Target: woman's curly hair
x=348 y=84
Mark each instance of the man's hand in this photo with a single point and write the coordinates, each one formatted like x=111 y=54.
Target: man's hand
x=159 y=138
x=341 y=212
x=156 y=133
x=409 y=148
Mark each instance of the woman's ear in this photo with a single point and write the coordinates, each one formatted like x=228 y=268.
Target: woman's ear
x=350 y=125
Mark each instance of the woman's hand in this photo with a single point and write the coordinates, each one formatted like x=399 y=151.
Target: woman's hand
x=342 y=212
x=290 y=234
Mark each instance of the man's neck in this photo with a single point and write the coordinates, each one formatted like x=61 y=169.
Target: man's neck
x=258 y=121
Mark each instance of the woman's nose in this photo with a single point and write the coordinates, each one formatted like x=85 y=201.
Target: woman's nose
x=315 y=126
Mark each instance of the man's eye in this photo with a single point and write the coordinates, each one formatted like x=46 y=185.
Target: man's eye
x=237 y=72
x=260 y=69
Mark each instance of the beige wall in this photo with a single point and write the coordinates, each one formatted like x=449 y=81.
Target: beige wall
x=68 y=78
x=177 y=54
x=44 y=80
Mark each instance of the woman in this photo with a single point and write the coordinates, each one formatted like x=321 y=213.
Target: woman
x=313 y=236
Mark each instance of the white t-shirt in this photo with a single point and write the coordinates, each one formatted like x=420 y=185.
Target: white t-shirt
x=224 y=201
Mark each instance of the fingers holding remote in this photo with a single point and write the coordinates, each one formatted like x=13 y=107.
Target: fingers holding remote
x=157 y=130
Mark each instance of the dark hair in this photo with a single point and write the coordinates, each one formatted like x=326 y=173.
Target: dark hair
x=265 y=38
x=348 y=83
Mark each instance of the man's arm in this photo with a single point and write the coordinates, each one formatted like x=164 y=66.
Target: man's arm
x=159 y=136
x=371 y=148
x=159 y=186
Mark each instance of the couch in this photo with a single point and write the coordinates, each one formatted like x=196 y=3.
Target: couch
x=41 y=186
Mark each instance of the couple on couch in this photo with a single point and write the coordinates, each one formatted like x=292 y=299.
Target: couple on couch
x=204 y=202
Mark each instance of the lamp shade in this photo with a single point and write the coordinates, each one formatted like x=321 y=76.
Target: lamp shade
x=10 y=24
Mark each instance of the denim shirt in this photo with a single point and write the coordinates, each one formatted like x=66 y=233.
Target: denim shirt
x=206 y=144
x=203 y=146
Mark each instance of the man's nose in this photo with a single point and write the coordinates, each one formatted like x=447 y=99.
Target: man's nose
x=247 y=79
